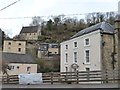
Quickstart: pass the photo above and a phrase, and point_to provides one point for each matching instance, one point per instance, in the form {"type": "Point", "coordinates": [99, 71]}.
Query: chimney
{"type": "Point", "coordinates": [117, 35]}
{"type": "Point", "coordinates": [119, 7]}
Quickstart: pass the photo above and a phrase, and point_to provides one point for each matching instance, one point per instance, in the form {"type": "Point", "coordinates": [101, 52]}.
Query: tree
{"type": "Point", "coordinates": [49, 25]}
{"type": "Point", "coordinates": [36, 21]}
{"type": "Point", "coordinates": [4, 67]}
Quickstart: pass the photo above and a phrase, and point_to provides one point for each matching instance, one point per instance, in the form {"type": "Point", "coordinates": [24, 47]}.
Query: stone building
{"type": "Point", "coordinates": [14, 46]}
{"type": "Point", "coordinates": [30, 33]}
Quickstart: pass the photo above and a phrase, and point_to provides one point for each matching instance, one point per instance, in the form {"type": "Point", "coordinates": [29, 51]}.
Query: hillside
{"type": "Point", "coordinates": [60, 28]}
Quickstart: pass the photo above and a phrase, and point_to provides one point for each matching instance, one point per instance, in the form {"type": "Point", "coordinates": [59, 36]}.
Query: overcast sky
{"type": "Point", "coordinates": [30, 8]}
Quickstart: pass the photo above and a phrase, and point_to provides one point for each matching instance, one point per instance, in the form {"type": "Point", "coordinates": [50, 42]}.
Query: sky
{"type": "Point", "coordinates": [31, 8]}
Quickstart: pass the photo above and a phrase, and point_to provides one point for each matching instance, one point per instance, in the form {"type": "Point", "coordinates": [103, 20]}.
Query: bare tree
{"type": "Point", "coordinates": [36, 21]}
{"type": "Point", "coordinates": [4, 67]}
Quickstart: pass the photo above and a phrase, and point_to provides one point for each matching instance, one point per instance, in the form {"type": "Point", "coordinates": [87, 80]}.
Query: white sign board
{"type": "Point", "coordinates": [33, 78]}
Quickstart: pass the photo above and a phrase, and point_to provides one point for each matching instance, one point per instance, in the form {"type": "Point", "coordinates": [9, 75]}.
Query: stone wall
{"type": "Point", "coordinates": [109, 60]}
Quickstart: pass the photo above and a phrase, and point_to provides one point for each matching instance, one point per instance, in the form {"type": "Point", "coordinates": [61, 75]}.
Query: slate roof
{"type": "Point", "coordinates": [17, 58]}
{"type": "Point", "coordinates": [29, 29]}
{"type": "Point", "coordinates": [104, 27]}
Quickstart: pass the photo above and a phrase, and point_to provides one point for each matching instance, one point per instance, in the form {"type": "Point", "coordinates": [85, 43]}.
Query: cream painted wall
{"type": "Point", "coordinates": [22, 68]}
{"type": "Point", "coordinates": [13, 48]}
{"type": "Point", "coordinates": [53, 50]}
{"type": "Point", "coordinates": [95, 52]}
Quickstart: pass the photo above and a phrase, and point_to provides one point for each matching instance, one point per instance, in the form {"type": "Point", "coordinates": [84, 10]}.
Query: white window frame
{"type": "Point", "coordinates": [86, 42]}
{"type": "Point", "coordinates": [12, 67]}
{"type": "Point", "coordinates": [85, 57]}
{"type": "Point", "coordinates": [75, 45]}
{"type": "Point", "coordinates": [75, 56]}
{"type": "Point", "coordinates": [66, 46]}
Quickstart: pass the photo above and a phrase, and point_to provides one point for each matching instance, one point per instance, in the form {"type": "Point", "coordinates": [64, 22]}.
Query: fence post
{"type": "Point", "coordinates": [66, 78]}
{"type": "Point", "coordinates": [77, 81]}
{"type": "Point", "coordinates": [51, 77]}
{"type": "Point", "coordinates": [8, 79]}
{"type": "Point", "coordinates": [106, 77]}
{"type": "Point", "coordinates": [3, 79]}
{"type": "Point", "coordinates": [88, 73]}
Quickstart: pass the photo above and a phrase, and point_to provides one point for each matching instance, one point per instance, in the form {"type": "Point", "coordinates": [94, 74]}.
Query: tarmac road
{"type": "Point", "coordinates": [62, 86]}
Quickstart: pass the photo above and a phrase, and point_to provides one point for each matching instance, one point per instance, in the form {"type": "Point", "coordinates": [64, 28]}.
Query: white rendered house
{"type": "Point", "coordinates": [86, 49]}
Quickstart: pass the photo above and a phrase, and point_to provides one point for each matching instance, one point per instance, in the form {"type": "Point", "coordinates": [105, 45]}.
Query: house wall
{"type": "Point", "coordinates": [22, 68]}
{"type": "Point", "coordinates": [95, 52]}
{"type": "Point", "coordinates": [53, 50]}
{"type": "Point", "coordinates": [117, 42]}
{"type": "Point", "coordinates": [29, 36]}
{"type": "Point", "coordinates": [107, 51]}
{"type": "Point", "coordinates": [14, 46]}
{"type": "Point", "coordinates": [109, 59]}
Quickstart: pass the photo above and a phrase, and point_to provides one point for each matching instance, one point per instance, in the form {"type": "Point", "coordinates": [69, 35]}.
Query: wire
{"type": "Point", "coordinates": [9, 5]}
{"type": "Point", "coordinates": [58, 15]}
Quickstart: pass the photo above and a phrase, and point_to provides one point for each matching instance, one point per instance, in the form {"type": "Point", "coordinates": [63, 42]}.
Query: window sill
{"type": "Point", "coordinates": [66, 63]}
{"type": "Point", "coordinates": [86, 63]}
{"type": "Point", "coordinates": [87, 46]}
{"type": "Point", "coordinates": [75, 48]}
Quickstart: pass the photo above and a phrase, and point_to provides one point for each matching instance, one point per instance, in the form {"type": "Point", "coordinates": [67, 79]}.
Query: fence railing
{"type": "Point", "coordinates": [71, 77]}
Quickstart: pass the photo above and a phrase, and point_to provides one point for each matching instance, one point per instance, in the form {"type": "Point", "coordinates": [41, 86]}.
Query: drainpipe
{"type": "Point", "coordinates": [114, 52]}
{"type": "Point", "coordinates": [103, 69]}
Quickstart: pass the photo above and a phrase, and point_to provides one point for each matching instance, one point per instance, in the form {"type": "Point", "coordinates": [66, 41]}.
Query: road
{"type": "Point", "coordinates": [62, 86]}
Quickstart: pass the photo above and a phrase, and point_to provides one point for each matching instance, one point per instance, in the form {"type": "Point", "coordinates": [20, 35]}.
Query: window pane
{"type": "Point", "coordinates": [75, 56]}
{"type": "Point", "coordinates": [66, 57]}
{"type": "Point", "coordinates": [19, 44]}
{"type": "Point", "coordinates": [75, 44]}
{"type": "Point", "coordinates": [87, 56]}
{"type": "Point", "coordinates": [66, 46]}
{"type": "Point", "coordinates": [28, 68]}
{"type": "Point", "coordinates": [66, 69]}
{"type": "Point", "coordinates": [19, 49]}
{"type": "Point", "coordinates": [87, 41]}
{"type": "Point", "coordinates": [9, 43]}
{"type": "Point", "coordinates": [87, 69]}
